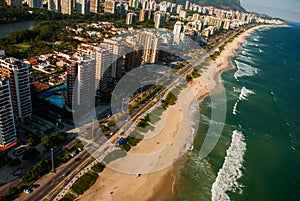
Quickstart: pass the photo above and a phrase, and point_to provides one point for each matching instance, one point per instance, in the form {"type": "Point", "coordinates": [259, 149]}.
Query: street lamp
{"type": "Point", "coordinates": [52, 160]}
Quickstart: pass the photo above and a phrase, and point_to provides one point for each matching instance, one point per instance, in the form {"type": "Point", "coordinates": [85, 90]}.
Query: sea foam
{"type": "Point", "coordinates": [243, 96]}
{"type": "Point", "coordinates": [244, 70]}
{"type": "Point", "coordinates": [231, 170]}
{"type": "Point", "coordinates": [193, 123]}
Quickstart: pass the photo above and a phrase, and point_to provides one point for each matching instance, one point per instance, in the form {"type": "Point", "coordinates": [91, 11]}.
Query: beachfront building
{"type": "Point", "coordinates": [133, 56]}
{"type": "Point", "coordinates": [7, 123]}
{"type": "Point", "coordinates": [17, 73]}
{"type": "Point", "coordinates": [80, 81]}
{"type": "Point", "coordinates": [117, 50]}
{"type": "Point", "coordinates": [150, 45]}
{"type": "Point", "coordinates": [103, 60]}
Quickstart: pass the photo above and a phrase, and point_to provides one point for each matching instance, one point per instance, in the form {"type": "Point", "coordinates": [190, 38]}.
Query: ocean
{"type": "Point", "coordinates": [258, 155]}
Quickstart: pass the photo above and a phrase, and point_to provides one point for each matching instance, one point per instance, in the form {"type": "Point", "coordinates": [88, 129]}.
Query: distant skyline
{"type": "Point", "coordinates": [288, 9]}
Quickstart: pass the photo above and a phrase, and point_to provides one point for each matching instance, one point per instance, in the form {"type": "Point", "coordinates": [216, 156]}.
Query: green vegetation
{"type": "Point", "coordinates": [79, 144]}
{"type": "Point", "coordinates": [111, 123]}
{"type": "Point", "coordinates": [30, 153]}
{"type": "Point", "coordinates": [67, 152]}
{"type": "Point", "coordinates": [126, 147]}
{"type": "Point", "coordinates": [170, 100]}
{"type": "Point", "coordinates": [84, 182]}
{"type": "Point", "coordinates": [34, 140]}
{"type": "Point", "coordinates": [104, 128]}
{"type": "Point", "coordinates": [132, 140]}
{"type": "Point", "coordinates": [114, 156]}
{"type": "Point", "coordinates": [145, 97]}
{"type": "Point", "coordinates": [54, 139]}
{"type": "Point", "coordinates": [195, 74]}
{"type": "Point", "coordinates": [26, 43]}
{"type": "Point", "coordinates": [99, 167]}
{"type": "Point", "coordinates": [36, 172]}
{"type": "Point", "coordinates": [68, 197]}
{"type": "Point", "coordinates": [143, 123]}
{"type": "Point", "coordinates": [144, 126]}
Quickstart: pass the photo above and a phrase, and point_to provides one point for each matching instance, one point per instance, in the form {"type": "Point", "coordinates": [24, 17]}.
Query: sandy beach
{"type": "Point", "coordinates": [115, 185]}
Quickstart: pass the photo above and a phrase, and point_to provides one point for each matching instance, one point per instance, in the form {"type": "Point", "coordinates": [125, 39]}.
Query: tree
{"type": "Point", "coordinates": [53, 139]}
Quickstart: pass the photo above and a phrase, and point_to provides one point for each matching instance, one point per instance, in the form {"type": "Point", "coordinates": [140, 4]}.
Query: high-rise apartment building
{"type": "Point", "coordinates": [133, 56]}
{"type": "Point", "coordinates": [82, 7]}
{"type": "Point", "coordinates": [178, 29]}
{"type": "Point", "coordinates": [110, 7]}
{"type": "Point", "coordinates": [187, 5]}
{"type": "Point", "coordinates": [144, 15]}
{"type": "Point", "coordinates": [80, 82]}
{"type": "Point", "coordinates": [54, 5]}
{"type": "Point", "coordinates": [150, 43]}
{"type": "Point", "coordinates": [94, 6]}
{"type": "Point", "coordinates": [117, 51]}
{"type": "Point", "coordinates": [7, 123]}
{"type": "Point", "coordinates": [159, 19]}
{"type": "Point", "coordinates": [67, 6]}
{"type": "Point", "coordinates": [131, 18]}
{"type": "Point", "coordinates": [17, 73]}
{"type": "Point", "coordinates": [103, 63]}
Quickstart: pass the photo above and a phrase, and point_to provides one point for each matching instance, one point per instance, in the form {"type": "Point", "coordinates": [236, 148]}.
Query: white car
{"type": "Point", "coordinates": [28, 190]}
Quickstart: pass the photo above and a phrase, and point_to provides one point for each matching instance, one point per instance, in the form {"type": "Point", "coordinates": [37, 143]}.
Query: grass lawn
{"type": "Point", "coordinates": [84, 182]}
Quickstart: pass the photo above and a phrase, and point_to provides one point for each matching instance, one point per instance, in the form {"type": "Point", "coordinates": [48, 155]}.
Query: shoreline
{"type": "Point", "coordinates": [113, 185]}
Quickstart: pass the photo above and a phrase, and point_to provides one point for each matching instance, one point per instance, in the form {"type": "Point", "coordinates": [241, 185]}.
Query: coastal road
{"type": "Point", "coordinates": [56, 178]}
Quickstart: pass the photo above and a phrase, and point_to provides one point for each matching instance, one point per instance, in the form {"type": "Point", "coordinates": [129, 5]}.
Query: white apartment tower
{"type": "Point", "coordinates": [159, 19]}
{"type": "Point", "coordinates": [17, 73]}
{"type": "Point", "coordinates": [187, 5]}
{"type": "Point", "coordinates": [178, 29]}
{"type": "Point", "coordinates": [103, 60]}
{"type": "Point", "coordinates": [117, 51]}
{"type": "Point", "coordinates": [131, 18]}
{"type": "Point", "coordinates": [150, 43]}
{"type": "Point", "coordinates": [84, 90]}
{"type": "Point", "coordinates": [7, 122]}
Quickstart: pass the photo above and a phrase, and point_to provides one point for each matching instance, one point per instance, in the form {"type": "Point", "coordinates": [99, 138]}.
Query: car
{"type": "Point", "coordinates": [28, 190]}
{"type": "Point", "coordinates": [66, 173]}
{"type": "Point", "coordinates": [77, 159]}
